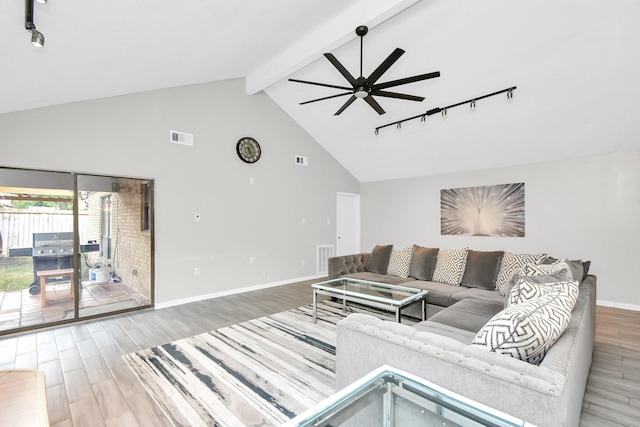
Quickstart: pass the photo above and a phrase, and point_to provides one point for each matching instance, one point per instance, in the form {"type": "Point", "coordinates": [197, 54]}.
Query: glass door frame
{"type": "Point", "coordinates": [76, 282]}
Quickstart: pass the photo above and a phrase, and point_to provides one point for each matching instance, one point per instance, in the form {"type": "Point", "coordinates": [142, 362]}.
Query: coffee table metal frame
{"type": "Point", "coordinates": [339, 288]}
{"type": "Point", "coordinates": [391, 388]}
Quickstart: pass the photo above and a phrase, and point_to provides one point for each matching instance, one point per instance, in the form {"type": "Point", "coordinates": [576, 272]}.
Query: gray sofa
{"type": "Point", "coordinates": [440, 350]}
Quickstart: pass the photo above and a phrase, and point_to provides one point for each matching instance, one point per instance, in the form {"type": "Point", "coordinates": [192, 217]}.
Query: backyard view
{"type": "Point", "coordinates": [40, 251]}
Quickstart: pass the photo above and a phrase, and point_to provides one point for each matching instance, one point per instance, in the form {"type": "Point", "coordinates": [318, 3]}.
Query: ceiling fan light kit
{"type": "Point", "coordinates": [368, 87]}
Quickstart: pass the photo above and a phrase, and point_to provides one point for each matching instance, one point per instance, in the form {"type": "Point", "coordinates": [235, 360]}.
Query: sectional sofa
{"type": "Point", "coordinates": [472, 343]}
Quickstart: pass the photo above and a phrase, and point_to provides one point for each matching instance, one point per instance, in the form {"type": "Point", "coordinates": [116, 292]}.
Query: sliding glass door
{"type": "Point", "coordinates": [72, 246]}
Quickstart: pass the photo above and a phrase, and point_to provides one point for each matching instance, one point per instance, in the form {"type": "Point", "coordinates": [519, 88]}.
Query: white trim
{"type": "Point", "coordinates": [621, 305]}
{"type": "Point", "coordinates": [228, 292]}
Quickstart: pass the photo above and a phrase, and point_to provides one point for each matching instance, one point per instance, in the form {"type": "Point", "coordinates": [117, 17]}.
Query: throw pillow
{"type": "Point", "coordinates": [531, 269]}
{"type": "Point", "coordinates": [400, 261]}
{"type": "Point", "coordinates": [510, 265]}
{"type": "Point", "coordinates": [481, 269]}
{"type": "Point", "coordinates": [450, 266]}
{"type": "Point", "coordinates": [560, 276]}
{"type": "Point", "coordinates": [423, 263]}
{"type": "Point", "coordinates": [526, 331]}
{"type": "Point", "coordinates": [577, 266]}
{"type": "Point", "coordinates": [527, 289]}
{"type": "Point", "coordinates": [378, 261]}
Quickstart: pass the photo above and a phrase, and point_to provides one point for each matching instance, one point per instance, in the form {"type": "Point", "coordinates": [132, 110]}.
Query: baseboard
{"type": "Point", "coordinates": [621, 305]}
{"type": "Point", "coordinates": [197, 298]}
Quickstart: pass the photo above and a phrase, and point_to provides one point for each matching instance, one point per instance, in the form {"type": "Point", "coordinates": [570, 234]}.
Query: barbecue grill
{"type": "Point", "coordinates": [50, 251]}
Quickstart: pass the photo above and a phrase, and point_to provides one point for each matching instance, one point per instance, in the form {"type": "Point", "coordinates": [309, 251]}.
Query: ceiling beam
{"type": "Point", "coordinates": [335, 33]}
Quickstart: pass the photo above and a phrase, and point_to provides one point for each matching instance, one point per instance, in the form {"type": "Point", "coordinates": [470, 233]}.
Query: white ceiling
{"type": "Point", "coordinates": [576, 65]}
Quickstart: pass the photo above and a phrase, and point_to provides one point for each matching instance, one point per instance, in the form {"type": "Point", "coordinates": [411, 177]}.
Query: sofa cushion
{"type": "Point", "coordinates": [511, 264]}
{"type": "Point", "coordinates": [439, 293]}
{"type": "Point", "coordinates": [378, 261]}
{"type": "Point", "coordinates": [400, 261]}
{"type": "Point", "coordinates": [482, 269]}
{"type": "Point", "coordinates": [381, 278]}
{"type": "Point", "coordinates": [526, 331]}
{"type": "Point", "coordinates": [423, 263]}
{"type": "Point", "coordinates": [450, 266]}
{"type": "Point", "coordinates": [477, 293]}
{"type": "Point", "coordinates": [469, 314]}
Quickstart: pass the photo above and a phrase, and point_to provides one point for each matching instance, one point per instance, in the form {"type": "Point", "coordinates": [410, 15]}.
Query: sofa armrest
{"type": "Point", "coordinates": [347, 264]}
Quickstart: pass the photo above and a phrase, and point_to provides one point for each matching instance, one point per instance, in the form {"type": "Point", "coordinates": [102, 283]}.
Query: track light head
{"type": "Point", "coordinates": [423, 118]}
{"type": "Point", "coordinates": [37, 39]}
{"type": "Point", "coordinates": [42, 1]}
{"type": "Point", "coordinates": [444, 111]}
{"type": "Point", "coordinates": [472, 104]}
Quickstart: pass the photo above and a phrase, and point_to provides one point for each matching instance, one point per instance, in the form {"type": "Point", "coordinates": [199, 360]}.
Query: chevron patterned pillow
{"type": "Point", "coordinates": [512, 264]}
{"type": "Point", "coordinates": [527, 331]}
{"type": "Point", "coordinates": [450, 266]}
{"type": "Point", "coordinates": [400, 261]}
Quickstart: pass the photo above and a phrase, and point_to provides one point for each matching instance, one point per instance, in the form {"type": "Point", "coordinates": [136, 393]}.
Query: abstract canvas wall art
{"type": "Point", "coordinates": [491, 210]}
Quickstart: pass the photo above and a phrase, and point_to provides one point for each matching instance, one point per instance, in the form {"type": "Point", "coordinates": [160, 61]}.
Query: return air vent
{"type": "Point", "coordinates": [181, 138]}
{"type": "Point", "coordinates": [324, 253]}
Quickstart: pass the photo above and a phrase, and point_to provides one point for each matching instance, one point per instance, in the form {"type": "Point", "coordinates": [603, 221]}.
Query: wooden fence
{"type": "Point", "coordinates": [17, 228]}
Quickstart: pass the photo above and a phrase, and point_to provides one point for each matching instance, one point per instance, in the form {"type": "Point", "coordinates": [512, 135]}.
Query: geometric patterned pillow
{"type": "Point", "coordinates": [450, 266]}
{"type": "Point", "coordinates": [526, 290]}
{"type": "Point", "coordinates": [512, 264]}
{"type": "Point", "coordinates": [400, 261]}
{"type": "Point", "coordinates": [527, 331]}
{"type": "Point", "coordinates": [546, 269]}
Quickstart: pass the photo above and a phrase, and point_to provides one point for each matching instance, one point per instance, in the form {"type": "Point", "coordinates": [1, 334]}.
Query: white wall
{"type": "Point", "coordinates": [586, 209]}
{"type": "Point", "coordinates": [129, 136]}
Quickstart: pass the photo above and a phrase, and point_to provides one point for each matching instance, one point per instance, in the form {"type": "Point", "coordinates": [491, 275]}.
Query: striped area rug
{"type": "Point", "coordinates": [257, 373]}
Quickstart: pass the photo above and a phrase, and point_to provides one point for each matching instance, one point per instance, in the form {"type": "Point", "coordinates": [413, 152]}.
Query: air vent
{"type": "Point", "coordinates": [181, 138]}
{"type": "Point", "coordinates": [324, 253]}
{"type": "Point", "coordinates": [302, 160]}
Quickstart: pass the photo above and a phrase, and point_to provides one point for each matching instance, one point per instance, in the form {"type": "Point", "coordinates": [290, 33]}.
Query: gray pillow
{"type": "Point", "coordinates": [579, 268]}
{"type": "Point", "coordinates": [423, 263]}
{"type": "Point", "coordinates": [378, 261]}
{"type": "Point", "coordinates": [482, 269]}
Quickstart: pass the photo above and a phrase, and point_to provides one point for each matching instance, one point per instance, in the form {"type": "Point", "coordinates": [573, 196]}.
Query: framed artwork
{"type": "Point", "coordinates": [491, 210]}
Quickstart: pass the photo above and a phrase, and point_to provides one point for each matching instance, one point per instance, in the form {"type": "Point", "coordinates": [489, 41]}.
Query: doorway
{"type": "Point", "coordinates": [348, 224]}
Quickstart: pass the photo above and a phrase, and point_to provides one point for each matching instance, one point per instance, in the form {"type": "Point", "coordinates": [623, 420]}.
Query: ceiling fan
{"type": "Point", "coordinates": [367, 87]}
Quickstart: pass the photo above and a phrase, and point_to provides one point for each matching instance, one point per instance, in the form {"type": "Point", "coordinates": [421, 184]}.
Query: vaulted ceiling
{"type": "Point", "coordinates": [575, 64]}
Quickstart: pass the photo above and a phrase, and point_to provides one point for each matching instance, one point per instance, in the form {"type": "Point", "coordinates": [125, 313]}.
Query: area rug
{"type": "Point", "coordinates": [257, 373]}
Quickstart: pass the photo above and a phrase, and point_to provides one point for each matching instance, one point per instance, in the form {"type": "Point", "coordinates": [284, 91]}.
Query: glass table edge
{"type": "Point", "coordinates": [417, 293]}
{"type": "Point", "coordinates": [333, 402]}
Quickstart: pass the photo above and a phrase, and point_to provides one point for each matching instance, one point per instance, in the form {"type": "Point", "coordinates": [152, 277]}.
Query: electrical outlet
{"type": "Point", "coordinates": [196, 271]}
{"type": "Point", "coordinates": [303, 263]}
{"type": "Point", "coordinates": [304, 221]}
{"type": "Point", "coordinates": [252, 260]}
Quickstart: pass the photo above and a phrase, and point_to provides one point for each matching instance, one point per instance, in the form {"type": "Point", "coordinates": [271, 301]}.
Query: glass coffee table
{"type": "Point", "coordinates": [374, 294]}
{"type": "Point", "coordinates": [388, 397]}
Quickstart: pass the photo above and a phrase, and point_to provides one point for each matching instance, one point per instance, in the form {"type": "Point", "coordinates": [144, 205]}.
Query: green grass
{"type": "Point", "coordinates": [16, 278]}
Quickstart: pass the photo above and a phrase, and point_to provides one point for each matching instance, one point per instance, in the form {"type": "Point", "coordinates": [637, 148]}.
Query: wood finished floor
{"type": "Point", "coordinates": [89, 385]}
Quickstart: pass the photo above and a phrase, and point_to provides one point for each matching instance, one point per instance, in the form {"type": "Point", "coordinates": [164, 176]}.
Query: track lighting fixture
{"type": "Point", "coordinates": [37, 39]}
{"type": "Point", "coordinates": [443, 110]}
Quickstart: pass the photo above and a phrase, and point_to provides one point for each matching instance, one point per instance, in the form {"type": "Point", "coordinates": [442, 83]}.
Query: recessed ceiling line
{"type": "Point", "coordinates": [443, 110]}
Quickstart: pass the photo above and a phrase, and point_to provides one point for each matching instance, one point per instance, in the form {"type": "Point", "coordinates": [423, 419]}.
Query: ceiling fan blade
{"type": "Point", "coordinates": [397, 95]}
{"type": "Point", "coordinates": [386, 64]}
{"type": "Point", "coordinates": [406, 80]}
{"type": "Point", "coordinates": [326, 97]}
{"type": "Point", "coordinates": [346, 74]}
{"type": "Point", "coordinates": [374, 104]}
{"type": "Point", "coordinates": [346, 104]}
{"type": "Point", "coordinates": [320, 84]}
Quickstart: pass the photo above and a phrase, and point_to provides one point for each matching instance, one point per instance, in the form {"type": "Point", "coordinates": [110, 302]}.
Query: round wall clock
{"type": "Point", "coordinates": [248, 150]}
